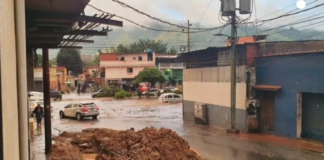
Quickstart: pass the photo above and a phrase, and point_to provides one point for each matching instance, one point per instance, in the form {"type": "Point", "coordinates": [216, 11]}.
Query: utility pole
{"type": "Point", "coordinates": [188, 45]}
{"type": "Point", "coordinates": [233, 71]}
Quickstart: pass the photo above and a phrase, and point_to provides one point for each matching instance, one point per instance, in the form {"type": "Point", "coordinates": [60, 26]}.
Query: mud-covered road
{"type": "Point", "coordinates": [212, 144]}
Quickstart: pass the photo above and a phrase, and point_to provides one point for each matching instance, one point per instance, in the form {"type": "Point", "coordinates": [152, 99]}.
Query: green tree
{"type": "Point", "coordinates": [71, 59]}
{"type": "Point", "coordinates": [150, 76]}
{"type": "Point", "coordinates": [52, 61]}
{"type": "Point", "coordinates": [172, 51]}
{"type": "Point", "coordinates": [39, 60]}
{"type": "Point", "coordinates": [141, 45]}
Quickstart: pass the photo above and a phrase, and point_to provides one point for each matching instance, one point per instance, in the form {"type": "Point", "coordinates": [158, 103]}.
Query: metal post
{"type": "Point", "coordinates": [47, 102]}
{"type": "Point", "coordinates": [188, 45]}
{"type": "Point", "coordinates": [233, 72]}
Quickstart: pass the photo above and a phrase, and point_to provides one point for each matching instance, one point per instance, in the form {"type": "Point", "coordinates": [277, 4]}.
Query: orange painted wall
{"type": "Point", "coordinates": [108, 57]}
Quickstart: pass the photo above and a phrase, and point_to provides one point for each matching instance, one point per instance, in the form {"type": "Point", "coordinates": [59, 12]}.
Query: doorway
{"type": "Point", "coordinates": [267, 112]}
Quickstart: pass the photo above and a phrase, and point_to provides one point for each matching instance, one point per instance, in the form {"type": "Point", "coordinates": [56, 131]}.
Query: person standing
{"type": "Point", "coordinates": [38, 112]}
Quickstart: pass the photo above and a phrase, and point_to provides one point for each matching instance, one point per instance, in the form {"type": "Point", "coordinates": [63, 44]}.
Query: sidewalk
{"type": "Point", "coordinates": [296, 143]}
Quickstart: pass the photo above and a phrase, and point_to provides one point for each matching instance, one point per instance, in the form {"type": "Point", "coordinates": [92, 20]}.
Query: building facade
{"type": "Point", "coordinates": [206, 81]}
{"type": "Point", "coordinates": [121, 68]}
{"type": "Point", "coordinates": [172, 70]}
{"type": "Point", "coordinates": [57, 78]}
{"type": "Point", "coordinates": [289, 85]}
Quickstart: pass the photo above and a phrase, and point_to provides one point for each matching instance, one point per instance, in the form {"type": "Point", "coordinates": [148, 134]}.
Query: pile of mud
{"type": "Point", "coordinates": [145, 144]}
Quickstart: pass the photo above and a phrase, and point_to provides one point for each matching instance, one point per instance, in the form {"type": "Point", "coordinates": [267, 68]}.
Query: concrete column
{"type": "Point", "coordinates": [9, 116]}
{"type": "Point", "coordinates": [30, 70]}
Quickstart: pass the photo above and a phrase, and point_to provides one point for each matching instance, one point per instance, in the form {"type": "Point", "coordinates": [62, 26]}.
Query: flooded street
{"type": "Point", "coordinates": [212, 144]}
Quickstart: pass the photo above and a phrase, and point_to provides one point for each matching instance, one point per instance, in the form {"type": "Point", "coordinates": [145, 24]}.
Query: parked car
{"type": "Point", "coordinates": [80, 110]}
{"type": "Point", "coordinates": [56, 95]}
{"type": "Point", "coordinates": [95, 94]}
{"type": "Point", "coordinates": [33, 104]}
{"type": "Point", "coordinates": [170, 97]}
{"type": "Point", "coordinates": [171, 88]}
{"type": "Point", "coordinates": [155, 91]}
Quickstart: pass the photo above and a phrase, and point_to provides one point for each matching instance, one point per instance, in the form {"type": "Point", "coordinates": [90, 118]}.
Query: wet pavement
{"type": "Point", "coordinates": [212, 144]}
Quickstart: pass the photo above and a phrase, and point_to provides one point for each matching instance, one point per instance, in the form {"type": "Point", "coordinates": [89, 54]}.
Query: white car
{"type": "Point", "coordinates": [154, 91]}
{"type": "Point", "coordinates": [171, 88]}
{"type": "Point", "coordinates": [170, 98]}
{"type": "Point", "coordinates": [80, 110]}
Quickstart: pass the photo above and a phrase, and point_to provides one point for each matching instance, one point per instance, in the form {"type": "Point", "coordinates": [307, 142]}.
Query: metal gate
{"type": "Point", "coordinates": [38, 86]}
{"type": "Point", "coordinates": [313, 116]}
{"type": "Point", "coordinates": [267, 111]}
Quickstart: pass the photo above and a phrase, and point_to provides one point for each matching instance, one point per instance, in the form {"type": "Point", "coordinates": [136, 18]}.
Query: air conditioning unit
{"type": "Point", "coordinates": [201, 116]}
{"type": "Point", "coordinates": [245, 6]}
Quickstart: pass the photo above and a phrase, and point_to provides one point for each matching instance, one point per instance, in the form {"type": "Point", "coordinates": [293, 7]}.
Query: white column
{"type": "Point", "coordinates": [22, 78]}
{"type": "Point", "coordinates": [9, 81]}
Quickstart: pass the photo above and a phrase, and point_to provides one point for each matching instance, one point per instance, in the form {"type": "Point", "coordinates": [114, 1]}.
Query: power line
{"type": "Point", "coordinates": [205, 11]}
{"type": "Point", "coordinates": [160, 20]}
{"type": "Point", "coordinates": [153, 29]}
{"type": "Point", "coordinates": [287, 15]}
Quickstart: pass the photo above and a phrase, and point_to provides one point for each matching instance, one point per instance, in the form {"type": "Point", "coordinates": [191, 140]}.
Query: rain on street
{"type": "Point", "coordinates": [211, 143]}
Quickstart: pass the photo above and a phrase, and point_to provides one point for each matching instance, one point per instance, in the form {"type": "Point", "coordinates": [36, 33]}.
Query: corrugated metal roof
{"type": "Point", "coordinates": [267, 87]}
{"type": "Point", "coordinates": [291, 53]}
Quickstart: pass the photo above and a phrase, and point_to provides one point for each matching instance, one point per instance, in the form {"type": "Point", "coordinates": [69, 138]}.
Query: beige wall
{"type": "Point", "coordinates": [119, 73]}
{"type": "Point", "coordinates": [212, 86]}
{"type": "Point", "coordinates": [214, 93]}
{"type": "Point", "coordinates": [129, 61]}
{"type": "Point", "coordinates": [9, 81]}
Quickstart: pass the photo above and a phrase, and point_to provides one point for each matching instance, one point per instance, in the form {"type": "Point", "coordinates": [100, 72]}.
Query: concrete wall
{"type": "Point", "coordinates": [295, 73]}
{"type": "Point", "coordinates": [9, 119]}
{"type": "Point", "coordinates": [211, 86]}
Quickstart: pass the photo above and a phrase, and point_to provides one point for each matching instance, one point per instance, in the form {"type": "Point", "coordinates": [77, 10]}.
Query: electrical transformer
{"type": "Point", "coordinates": [227, 6]}
{"type": "Point", "coordinates": [245, 6]}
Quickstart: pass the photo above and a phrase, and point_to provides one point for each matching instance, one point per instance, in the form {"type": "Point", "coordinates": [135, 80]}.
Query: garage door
{"type": "Point", "coordinates": [39, 86]}
{"type": "Point", "coordinates": [313, 116]}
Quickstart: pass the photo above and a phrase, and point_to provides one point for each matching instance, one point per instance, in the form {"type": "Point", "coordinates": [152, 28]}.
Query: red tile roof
{"type": "Point", "coordinates": [271, 87]}
{"type": "Point", "coordinates": [291, 53]}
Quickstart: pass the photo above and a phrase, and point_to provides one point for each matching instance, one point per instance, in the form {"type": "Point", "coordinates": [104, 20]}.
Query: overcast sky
{"type": "Point", "coordinates": [183, 10]}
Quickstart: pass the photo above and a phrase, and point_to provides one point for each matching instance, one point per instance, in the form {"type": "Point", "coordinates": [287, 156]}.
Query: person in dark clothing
{"type": "Point", "coordinates": [38, 111]}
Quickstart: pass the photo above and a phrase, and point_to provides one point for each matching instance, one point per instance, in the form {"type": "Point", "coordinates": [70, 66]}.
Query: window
{"type": "Point", "coordinates": [176, 96]}
{"type": "Point", "coordinates": [180, 82]}
{"type": "Point", "coordinates": [129, 70]}
{"type": "Point", "coordinates": [139, 58]}
{"type": "Point", "coordinates": [68, 106]}
{"type": "Point", "coordinates": [122, 59]}
{"type": "Point", "coordinates": [167, 73]}
{"type": "Point", "coordinates": [170, 96]}
{"type": "Point", "coordinates": [134, 58]}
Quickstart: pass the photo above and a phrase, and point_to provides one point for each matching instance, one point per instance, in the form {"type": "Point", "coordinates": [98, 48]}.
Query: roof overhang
{"type": "Point", "coordinates": [62, 23]}
{"type": "Point", "coordinates": [267, 87]}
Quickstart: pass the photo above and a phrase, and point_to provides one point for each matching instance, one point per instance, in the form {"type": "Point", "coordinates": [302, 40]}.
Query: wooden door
{"type": "Point", "coordinates": [267, 110]}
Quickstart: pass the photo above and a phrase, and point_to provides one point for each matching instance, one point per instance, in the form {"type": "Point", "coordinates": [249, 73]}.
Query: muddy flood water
{"type": "Point", "coordinates": [212, 144]}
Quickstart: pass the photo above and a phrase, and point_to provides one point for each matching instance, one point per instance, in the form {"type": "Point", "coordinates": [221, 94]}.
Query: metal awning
{"type": "Point", "coordinates": [63, 24]}
{"type": "Point", "coordinates": [267, 87]}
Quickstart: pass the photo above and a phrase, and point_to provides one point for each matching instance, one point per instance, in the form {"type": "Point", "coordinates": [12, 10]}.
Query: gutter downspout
{"type": "Point", "coordinates": [22, 78]}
